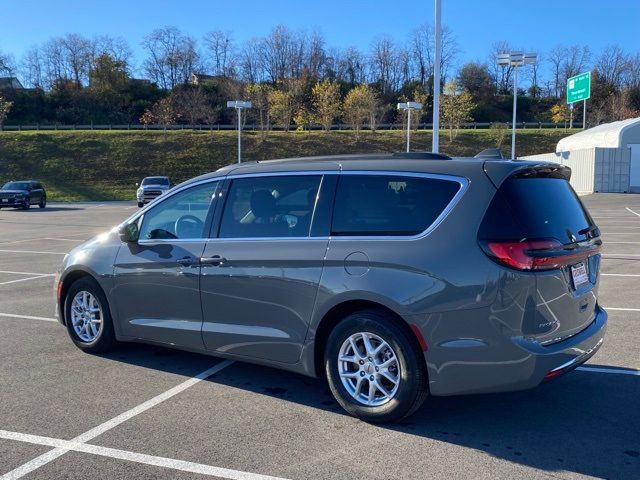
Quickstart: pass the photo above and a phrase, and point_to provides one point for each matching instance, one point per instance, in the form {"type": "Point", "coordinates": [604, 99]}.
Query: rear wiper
{"type": "Point", "coordinates": [592, 229]}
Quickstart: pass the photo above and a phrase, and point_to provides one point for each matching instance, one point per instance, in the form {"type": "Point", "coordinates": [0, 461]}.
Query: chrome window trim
{"type": "Point", "coordinates": [462, 181]}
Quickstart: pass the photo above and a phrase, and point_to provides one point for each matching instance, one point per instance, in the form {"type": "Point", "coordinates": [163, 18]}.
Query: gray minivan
{"type": "Point", "coordinates": [393, 276]}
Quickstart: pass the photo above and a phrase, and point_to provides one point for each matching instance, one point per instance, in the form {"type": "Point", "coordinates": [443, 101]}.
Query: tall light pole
{"type": "Point", "coordinates": [515, 60]}
{"type": "Point", "coordinates": [408, 106]}
{"type": "Point", "coordinates": [239, 105]}
{"type": "Point", "coordinates": [436, 78]}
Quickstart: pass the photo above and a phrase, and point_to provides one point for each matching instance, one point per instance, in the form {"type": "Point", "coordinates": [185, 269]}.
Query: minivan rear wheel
{"type": "Point", "coordinates": [374, 369]}
{"type": "Point", "coordinates": [87, 317]}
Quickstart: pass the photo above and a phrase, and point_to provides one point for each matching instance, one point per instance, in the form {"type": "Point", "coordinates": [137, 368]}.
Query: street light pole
{"type": "Point", "coordinates": [515, 60]}
{"type": "Point", "coordinates": [408, 106]}
{"type": "Point", "coordinates": [435, 145]}
{"type": "Point", "coordinates": [515, 103]}
{"type": "Point", "coordinates": [239, 105]}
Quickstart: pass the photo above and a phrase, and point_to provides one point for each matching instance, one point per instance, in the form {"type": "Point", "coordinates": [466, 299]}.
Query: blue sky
{"type": "Point", "coordinates": [477, 24]}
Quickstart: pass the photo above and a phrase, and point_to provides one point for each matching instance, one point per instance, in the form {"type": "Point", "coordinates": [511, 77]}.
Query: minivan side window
{"type": "Point", "coordinates": [270, 206]}
{"type": "Point", "coordinates": [181, 216]}
{"type": "Point", "coordinates": [368, 205]}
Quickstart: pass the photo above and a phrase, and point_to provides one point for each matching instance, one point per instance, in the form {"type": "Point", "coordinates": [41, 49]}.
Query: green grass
{"type": "Point", "coordinates": [104, 165]}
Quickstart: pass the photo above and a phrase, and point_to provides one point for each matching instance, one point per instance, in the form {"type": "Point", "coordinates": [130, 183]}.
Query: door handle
{"type": "Point", "coordinates": [187, 262]}
{"type": "Point", "coordinates": [214, 261]}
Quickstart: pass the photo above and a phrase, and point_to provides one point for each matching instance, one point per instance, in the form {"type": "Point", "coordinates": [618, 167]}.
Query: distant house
{"type": "Point", "coordinates": [201, 79]}
{"type": "Point", "coordinates": [140, 81]}
{"type": "Point", "coordinates": [8, 83]}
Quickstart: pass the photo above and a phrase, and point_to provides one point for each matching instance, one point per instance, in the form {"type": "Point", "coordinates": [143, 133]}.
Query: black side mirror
{"type": "Point", "coordinates": [129, 232]}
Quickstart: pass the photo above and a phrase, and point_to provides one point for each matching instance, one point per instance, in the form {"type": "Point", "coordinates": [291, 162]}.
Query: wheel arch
{"type": "Point", "coordinates": [69, 279]}
{"type": "Point", "coordinates": [343, 309]}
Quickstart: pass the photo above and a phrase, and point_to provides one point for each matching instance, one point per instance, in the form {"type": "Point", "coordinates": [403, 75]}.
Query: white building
{"type": "Point", "coordinates": [605, 158]}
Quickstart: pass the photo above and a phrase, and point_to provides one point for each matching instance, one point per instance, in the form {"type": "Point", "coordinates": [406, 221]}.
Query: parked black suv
{"type": "Point", "coordinates": [23, 194]}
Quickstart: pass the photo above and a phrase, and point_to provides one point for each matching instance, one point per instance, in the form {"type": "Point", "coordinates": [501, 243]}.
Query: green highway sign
{"type": "Point", "coordinates": [579, 88]}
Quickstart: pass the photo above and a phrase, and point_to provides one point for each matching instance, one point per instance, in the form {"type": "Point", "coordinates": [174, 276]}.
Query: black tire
{"type": "Point", "coordinates": [140, 204]}
{"type": "Point", "coordinates": [106, 338]}
{"type": "Point", "coordinates": [27, 204]}
{"type": "Point", "coordinates": [43, 202]}
{"type": "Point", "coordinates": [413, 386]}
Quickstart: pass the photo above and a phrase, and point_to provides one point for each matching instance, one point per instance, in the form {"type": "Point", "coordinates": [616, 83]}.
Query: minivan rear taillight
{"type": "Point", "coordinates": [538, 254]}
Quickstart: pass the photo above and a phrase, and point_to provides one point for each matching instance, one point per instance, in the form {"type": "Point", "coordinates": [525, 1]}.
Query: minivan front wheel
{"type": "Point", "coordinates": [87, 317]}
{"type": "Point", "coordinates": [374, 369]}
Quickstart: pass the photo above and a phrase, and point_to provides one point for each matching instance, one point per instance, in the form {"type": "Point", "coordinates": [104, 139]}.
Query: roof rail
{"type": "Point", "coordinates": [422, 155]}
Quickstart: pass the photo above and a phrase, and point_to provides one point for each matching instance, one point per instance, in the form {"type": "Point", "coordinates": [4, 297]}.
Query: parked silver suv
{"type": "Point", "coordinates": [394, 276]}
{"type": "Point", "coordinates": [151, 188]}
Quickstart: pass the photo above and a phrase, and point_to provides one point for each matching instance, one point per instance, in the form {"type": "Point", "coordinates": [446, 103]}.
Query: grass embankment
{"type": "Point", "coordinates": [104, 165]}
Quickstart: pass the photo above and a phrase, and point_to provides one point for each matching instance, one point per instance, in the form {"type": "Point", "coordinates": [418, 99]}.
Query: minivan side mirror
{"type": "Point", "coordinates": [129, 232]}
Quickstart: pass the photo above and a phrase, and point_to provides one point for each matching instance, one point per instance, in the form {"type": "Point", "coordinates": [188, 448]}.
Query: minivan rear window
{"type": "Point", "coordinates": [389, 204]}
{"type": "Point", "coordinates": [537, 208]}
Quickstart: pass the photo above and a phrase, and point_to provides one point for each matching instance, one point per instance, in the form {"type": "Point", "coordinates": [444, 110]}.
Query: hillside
{"type": "Point", "coordinates": [104, 165]}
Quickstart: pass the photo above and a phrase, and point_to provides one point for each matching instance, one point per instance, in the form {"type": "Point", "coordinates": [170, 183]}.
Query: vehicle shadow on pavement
{"type": "Point", "coordinates": [583, 422]}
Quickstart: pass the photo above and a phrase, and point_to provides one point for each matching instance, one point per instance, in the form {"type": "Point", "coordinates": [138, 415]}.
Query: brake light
{"type": "Point", "coordinates": [537, 254]}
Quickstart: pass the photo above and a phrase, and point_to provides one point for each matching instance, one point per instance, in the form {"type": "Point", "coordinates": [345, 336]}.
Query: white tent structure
{"type": "Point", "coordinates": [605, 158]}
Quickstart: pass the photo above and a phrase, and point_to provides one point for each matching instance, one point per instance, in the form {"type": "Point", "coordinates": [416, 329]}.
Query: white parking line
{"type": "Point", "coordinates": [28, 317]}
{"type": "Point", "coordinates": [614, 309]}
{"type": "Point", "coordinates": [617, 371]}
{"type": "Point", "coordinates": [145, 459]}
{"type": "Point", "coordinates": [33, 251]}
{"type": "Point", "coordinates": [46, 275]}
{"type": "Point", "coordinates": [620, 275]}
{"type": "Point", "coordinates": [64, 239]}
{"type": "Point", "coordinates": [621, 243]}
{"type": "Point", "coordinates": [608, 255]}
{"type": "Point", "coordinates": [24, 273]}
{"type": "Point", "coordinates": [114, 422]}
{"type": "Point", "coordinates": [635, 213]}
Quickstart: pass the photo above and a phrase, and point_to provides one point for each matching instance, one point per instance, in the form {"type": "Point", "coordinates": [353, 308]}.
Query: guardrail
{"type": "Point", "coordinates": [254, 127]}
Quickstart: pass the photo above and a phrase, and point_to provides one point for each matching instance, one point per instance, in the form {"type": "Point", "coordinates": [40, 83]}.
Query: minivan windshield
{"type": "Point", "coordinates": [155, 181]}
{"type": "Point", "coordinates": [16, 186]}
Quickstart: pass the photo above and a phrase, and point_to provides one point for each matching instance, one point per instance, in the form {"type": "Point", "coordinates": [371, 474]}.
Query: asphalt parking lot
{"type": "Point", "coordinates": [149, 412]}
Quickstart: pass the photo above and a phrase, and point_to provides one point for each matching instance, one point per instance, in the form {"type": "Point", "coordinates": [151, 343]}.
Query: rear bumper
{"type": "Point", "coordinates": [521, 365]}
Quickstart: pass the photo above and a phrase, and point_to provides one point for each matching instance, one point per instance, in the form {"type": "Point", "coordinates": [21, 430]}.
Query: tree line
{"type": "Point", "coordinates": [294, 80]}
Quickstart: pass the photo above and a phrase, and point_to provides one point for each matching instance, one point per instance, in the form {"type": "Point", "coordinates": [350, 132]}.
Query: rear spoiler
{"type": "Point", "coordinates": [499, 171]}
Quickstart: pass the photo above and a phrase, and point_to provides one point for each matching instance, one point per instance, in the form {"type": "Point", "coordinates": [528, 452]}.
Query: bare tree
{"type": "Point", "coordinates": [32, 69]}
{"type": "Point", "coordinates": [422, 49]}
{"type": "Point", "coordinates": [555, 58]}
{"type": "Point", "coordinates": [612, 65]}
{"type": "Point", "coordinates": [576, 60]}
{"type": "Point", "coordinates": [191, 103]}
{"type": "Point", "coordinates": [220, 52]}
{"type": "Point", "coordinates": [249, 61]}
{"type": "Point", "coordinates": [315, 57]}
{"type": "Point", "coordinates": [277, 53]}
{"type": "Point", "coordinates": [7, 66]}
{"type": "Point", "coordinates": [351, 66]}
{"type": "Point", "coordinates": [172, 57]}
{"type": "Point", "coordinates": [78, 56]}
{"type": "Point", "coordinates": [383, 64]}
{"type": "Point", "coordinates": [116, 47]}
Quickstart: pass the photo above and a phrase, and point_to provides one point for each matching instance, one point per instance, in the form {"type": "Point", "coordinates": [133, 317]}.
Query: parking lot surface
{"type": "Point", "coordinates": [150, 412]}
